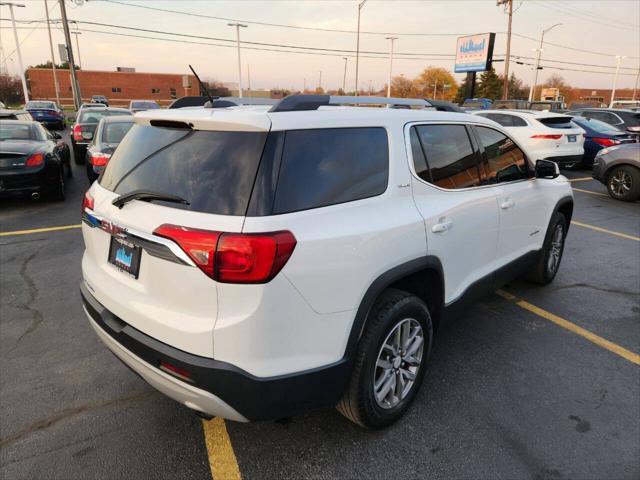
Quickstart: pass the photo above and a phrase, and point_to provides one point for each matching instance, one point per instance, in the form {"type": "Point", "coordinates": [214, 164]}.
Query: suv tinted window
{"type": "Point", "coordinates": [214, 171]}
{"type": "Point", "coordinates": [503, 161]}
{"type": "Point", "coordinates": [323, 167]}
{"type": "Point", "coordinates": [94, 116]}
{"type": "Point", "coordinates": [606, 117]}
{"type": "Point", "coordinates": [450, 157]}
{"type": "Point", "coordinates": [506, 120]}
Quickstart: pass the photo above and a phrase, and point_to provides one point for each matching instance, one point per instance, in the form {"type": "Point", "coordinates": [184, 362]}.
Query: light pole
{"type": "Point", "coordinates": [15, 36]}
{"type": "Point", "coordinates": [435, 89]}
{"type": "Point", "coordinates": [53, 58]}
{"type": "Point", "coordinates": [635, 87]}
{"type": "Point", "coordinates": [78, 47]}
{"type": "Point", "coordinates": [344, 76]}
{"type": "Point", "coordinates": [238, 25]}
{"type": "Point", "coordinates": [505, 85]}
{"type": "Point", "coordinates": [615, 78]}
{"type": "Point", "coordinates": [75, 85]}
{"type": "Point", "coordinates": [320, 81]}
{"type": "Point", "coordinates": [532, 90]}
{"type": "Point", "coordinates": [360, 5]}
{"type": "Point", "coordinates": [393, 39]}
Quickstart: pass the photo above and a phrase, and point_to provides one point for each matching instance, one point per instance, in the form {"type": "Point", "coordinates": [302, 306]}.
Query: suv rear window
{"type": "Point", "coordinates": [556, 122]}
{"type": "Point", "coordinates": [213, 170]}
{"type": "Point", "coordinates": [328, 166]}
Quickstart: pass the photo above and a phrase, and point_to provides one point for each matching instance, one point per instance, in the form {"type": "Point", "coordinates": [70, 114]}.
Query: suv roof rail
{"type": "Point", "coordinates": [297, 103]}
{"type": "Point", "coordinates": [222, 102]}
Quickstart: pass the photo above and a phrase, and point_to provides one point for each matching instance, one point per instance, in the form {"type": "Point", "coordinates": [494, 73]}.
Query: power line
{"type": "Point", "coordinates": [336, 30]}
{"type": "Point", "coordinates": [590, 16]}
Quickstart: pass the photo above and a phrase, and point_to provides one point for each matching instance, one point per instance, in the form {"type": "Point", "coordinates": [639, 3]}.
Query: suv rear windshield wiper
{"type": "Point", "coordinates": [147, 195]}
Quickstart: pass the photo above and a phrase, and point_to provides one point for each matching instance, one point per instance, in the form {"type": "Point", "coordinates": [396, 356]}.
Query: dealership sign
{"type": "Point", "coordinates": [474, 53]}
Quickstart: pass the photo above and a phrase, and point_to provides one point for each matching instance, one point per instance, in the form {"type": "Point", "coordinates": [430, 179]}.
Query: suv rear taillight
{"type": "Point", "coordinates": [233, 257]}
{"type": "Point", "coordinates": [87, 202]}
{"type": "Point", "coordinates": [547, 136]}
{"type": "Point", "coordinates": [77, 133]}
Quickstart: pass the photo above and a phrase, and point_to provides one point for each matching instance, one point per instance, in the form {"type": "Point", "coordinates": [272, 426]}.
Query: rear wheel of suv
{"type": "Point", "coordinates": [548, 262]}
{"type": "Point", "coordinates": [390, 362]}
{"type": "Point", "coordinates": [623, 183]}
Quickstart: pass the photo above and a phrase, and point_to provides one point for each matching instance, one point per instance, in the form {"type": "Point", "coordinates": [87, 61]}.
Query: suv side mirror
{"type": "Point", "coordinates": [547, 169]}
{"type": "Point", "coordinates": [56, 135]}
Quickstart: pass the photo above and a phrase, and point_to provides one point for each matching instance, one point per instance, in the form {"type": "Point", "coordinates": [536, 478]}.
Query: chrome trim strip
{"type": "Point", "coordinates": [94, 220]}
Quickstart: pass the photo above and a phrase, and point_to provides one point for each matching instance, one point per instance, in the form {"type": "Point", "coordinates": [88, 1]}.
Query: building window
{"type": "Point", "coordinates": [155, 90]}
{"type": "Point", "coordinates": [172, 92]}
{"type": "Point", "coordinates": [116, 90]}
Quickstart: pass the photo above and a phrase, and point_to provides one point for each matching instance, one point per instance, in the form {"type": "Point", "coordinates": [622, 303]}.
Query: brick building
{"type": "Point", "coordinates": [118, 87]}
{"type": "Point", "coordinates": [598, 95]}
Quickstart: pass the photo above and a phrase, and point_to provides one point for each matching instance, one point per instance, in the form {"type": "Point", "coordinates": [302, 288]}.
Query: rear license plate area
{"type": "Point", "coordinates": [125, 256]}
{"type": "Point", "coordinates": [571, 138]}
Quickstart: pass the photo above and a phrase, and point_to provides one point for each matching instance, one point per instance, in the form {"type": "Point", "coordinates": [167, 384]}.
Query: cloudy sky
{"type": "Point", "coordinates": [591, 34]}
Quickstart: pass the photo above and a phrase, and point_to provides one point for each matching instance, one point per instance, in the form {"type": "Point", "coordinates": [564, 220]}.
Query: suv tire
{"type": "Point", "coordinates": [546, 266]}
{"type": "Point", "coordinates": [384, 356]}
{"type": "Point", "coordinates": [623, 183]}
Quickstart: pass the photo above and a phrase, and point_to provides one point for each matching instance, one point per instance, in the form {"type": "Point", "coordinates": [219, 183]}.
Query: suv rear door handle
{"type": "Point", "coordinates": [441, 227]}
{"type": "Point", "coordinates": [507, 204]}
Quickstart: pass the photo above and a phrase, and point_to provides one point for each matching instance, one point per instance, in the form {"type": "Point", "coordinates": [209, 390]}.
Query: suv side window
{"type": "Point", "coordinates": [322, 167]}
{"type": "Point", "coordinates": [606, 117]}
{"type": "Point", "coordinates": [502, 161]}
{"type": "Point", "coordinates": [450, 156]}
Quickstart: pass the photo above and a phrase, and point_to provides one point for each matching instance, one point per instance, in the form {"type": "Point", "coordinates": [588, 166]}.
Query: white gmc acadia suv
{"type": "Point", "coordinates": [254, 264]}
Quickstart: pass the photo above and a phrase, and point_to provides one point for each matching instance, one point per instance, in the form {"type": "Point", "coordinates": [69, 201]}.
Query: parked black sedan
{"type": "Point", "coordinates": [30, 161]}
{"type": "Point", "coordinates": [599, 135]}
{"type": "Point", "coordinates": [110, 132]}
{"type": "Point", "coordinates": [85, 126]}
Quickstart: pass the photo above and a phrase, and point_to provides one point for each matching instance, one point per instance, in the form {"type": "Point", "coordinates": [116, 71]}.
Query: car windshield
{"type": "Point", "coordinates": [94, 116]}
{"type": "Point", "coordinates": [145, 105]}
{"type": "Point", "coordinates": [597, 125]}
{"type": "Point", "coordinates": [115, 132]}
{"type": "Point", "coordinates": [37, 105]}
{"type": "Point", "coordinates": [19, 131]}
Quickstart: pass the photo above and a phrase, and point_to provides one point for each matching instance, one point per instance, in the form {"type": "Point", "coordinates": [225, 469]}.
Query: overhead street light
{"type": "Point", "coordinates": [360, 5]}
{"type": "Point", "coordinates": [619, 59]}
{"type": "Point", "coordinates": [25, 91]}
{"type": "Point", "coordinates": [539, 50]}
{"type": "Point", "coordinates": [238, 26]}
{"type": "Point", "coordinates": [393, 39]}
{"type": "Point", "coordinates": [77, 47]}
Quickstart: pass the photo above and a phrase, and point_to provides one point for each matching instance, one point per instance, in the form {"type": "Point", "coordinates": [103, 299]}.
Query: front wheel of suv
{"type": "Point", "coordinates": [390, 362]}
{"type": "Point", "coordinates": [548, 262]}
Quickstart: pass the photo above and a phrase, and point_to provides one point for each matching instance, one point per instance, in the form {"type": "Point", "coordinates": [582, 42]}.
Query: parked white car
{"type": "Point", "coordinates": [254, 264]}
{"type": "Point", "coordinates": [543, 135]}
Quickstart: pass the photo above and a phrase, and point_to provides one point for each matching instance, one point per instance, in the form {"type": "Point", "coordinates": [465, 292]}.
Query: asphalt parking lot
{"type": "Point", "coordinates": [533, 382]}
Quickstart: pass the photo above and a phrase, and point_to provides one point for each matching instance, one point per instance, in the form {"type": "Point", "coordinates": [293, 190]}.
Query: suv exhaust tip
{"type": "Point", "coordinates": [35, 196]}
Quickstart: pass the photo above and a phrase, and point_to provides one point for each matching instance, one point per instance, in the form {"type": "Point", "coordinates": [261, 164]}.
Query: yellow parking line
{"type": "Point", "coordinates": [582, 179]}
{"type": "Point", "coordinates": [604, 230]}
{"type": "Point", "coordinates": [222, 459]}
{"type": "Point", "coordinates": [589, 191]}
{"type": "Point", "coordinates": [38, 230]}
{"type": "Point", "coordinates": [572, 327]}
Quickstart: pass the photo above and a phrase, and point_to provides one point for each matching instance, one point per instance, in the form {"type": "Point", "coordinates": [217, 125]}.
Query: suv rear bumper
{"type": "Point", "coordinates": [216, 388]}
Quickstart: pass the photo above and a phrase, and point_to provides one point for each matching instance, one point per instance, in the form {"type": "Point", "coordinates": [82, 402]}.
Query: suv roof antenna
{"type": "Point", "coordinates": [202, 85]}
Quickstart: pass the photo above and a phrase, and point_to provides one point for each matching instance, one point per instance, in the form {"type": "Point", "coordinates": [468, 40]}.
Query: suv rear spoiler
{"type": "Point", "coordinates": [297, 103]}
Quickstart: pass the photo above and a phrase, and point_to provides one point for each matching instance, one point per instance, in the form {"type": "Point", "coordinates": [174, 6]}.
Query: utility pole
{"type": "Point", "coordinates": [53, 58]}
{"type": "Point", "coordinates": [77, 95]}
{"type": "Point", "coordinates": [532, 90]}
{"type": "Point", "coordinates": [360, 5]}
{"type": "Point", "coordinates": [635, 87]}
{"type": "Point", "coordinates": [238, 25]}
{"type": "Point", "coordinates": [393, 39]}
{"type": "Point", "coordinates": [505, 87]}
{"type": "Point", "coordinates": [248, 78]}
{"type": "Point", "coordinates": [435, 88]}
{"type": "Point", "coordinates": [78, 47]}
{"type": "Point", "coordinates": [615, 78]}
{"type": "Point", "coordinates": [320, 81]}
{"type": "Point", "coordinates": [304, 84]}
{"type": "Point", "coordinates": [344, 76]}
{"type": "Point", "coordinates": [25, 91]}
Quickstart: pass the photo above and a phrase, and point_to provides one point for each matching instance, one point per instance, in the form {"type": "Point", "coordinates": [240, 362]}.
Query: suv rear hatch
{"type": "Point", "coordinates": [149, 260]}
{"type": "Point", "coordinates": [564, 135]}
